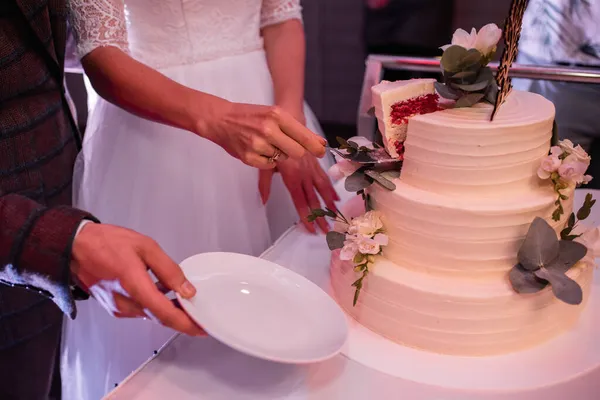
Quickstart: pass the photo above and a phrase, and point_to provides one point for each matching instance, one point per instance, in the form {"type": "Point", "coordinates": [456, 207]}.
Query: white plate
{"type": "Point", "coordinates": [262, 309]}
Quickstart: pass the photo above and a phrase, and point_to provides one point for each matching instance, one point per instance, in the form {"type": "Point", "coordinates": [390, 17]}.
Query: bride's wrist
{"type": "Point", "coordinates": [205, 110]}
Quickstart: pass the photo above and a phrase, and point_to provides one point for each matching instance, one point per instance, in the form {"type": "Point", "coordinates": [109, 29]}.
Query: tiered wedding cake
{"type": "Point", "coordinates": [471, 250]}
{"type": "Point", "coordinates": [467, 194]}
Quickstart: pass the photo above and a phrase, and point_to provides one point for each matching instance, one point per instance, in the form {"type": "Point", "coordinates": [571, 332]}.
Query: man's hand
{"type": "Point", "coordinates": [302, 177]}
{"type": "Point", "coordinates": [112, 263]}
{"type": "Point", "coordinates": [252, 133]}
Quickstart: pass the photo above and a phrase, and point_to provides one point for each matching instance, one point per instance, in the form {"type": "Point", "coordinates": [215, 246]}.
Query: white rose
{"type": "Point", "coordinates": [463, 38]}
{"type": "Point", "coordinates": [350, 248]}
{"type": "Point", "coordinates": [342, 169]}
{"type": "Point", "coordinates": [581, 154]}
{"type": "Point", "coordinates": [556, 151]}
{"type": "Point", "coordinates": [567, 146]}
{"type": "Point", "coordinates": [573, 170]}
{"type": "Point", "coordinates": [487, 39]}
{"type": "Point", "coordinates": [381, 239]}
{"type": "Point", "coordinates": [368, 246]}
{"type": "Point", "coordinates": [549, 165]}
{"type": "Point", "coordinates": [366, 224]}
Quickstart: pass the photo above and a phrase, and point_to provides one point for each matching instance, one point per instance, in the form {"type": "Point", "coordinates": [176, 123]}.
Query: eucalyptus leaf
{"type": "Point", "coordinates": [469, 99]}
{"type": "Point", "coordinates": [569, 254]}
{"type": "Point", "coordinates": [330, 213]}
{"type": "Point", "coordinates": [389, 185]}
{"type": "Point", "coordinates": [565, 233]}
{"type": "Point", "coordinates": [540, 247]}
{"type": "Point", "coordinates": [453, 58]}
{"type": "Point", "coordinates": [391, 174]}
{"type": "Point", "coordinates": [586, 208]}
{"type": "Point", "coordinates": [341, 141]}
{"type": "Point", "coordinates": [472, 58]}
{"type": "Point", "coordinates": [464, 75]}
{"type": "Point", "coordinates": [335, 240]}
{"type": "Point", "coordinates": [491, 95]}
{"type": "Point", "coordinates": [563, 287]}
{"type": "Point", "coordinates": [371, 111]}
{"type": "Point", "coordinates": [362, 157]}
{"type": "Point", "coordinates": [352, 144]}
{"type": "Point", "coordinates": [571, 222]}
{"type": "Point", "coordinates": [472, 87]}
{"type": "Point", "coordinates": [525, 282]}
{"type": "Point", "coordinates": [446, 92]}
{"type": "Point", "coordinates": [357, 181]}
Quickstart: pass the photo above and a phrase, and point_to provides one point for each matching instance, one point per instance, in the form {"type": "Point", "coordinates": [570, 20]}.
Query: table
{"type": "Point", "coordinates": [192, 368]}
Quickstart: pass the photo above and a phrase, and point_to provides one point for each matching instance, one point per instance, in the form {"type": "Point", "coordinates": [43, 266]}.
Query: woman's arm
{"type": "Point", "coordinates": [284, 42]}
{"type": "Point", "coordinates": [285, 48]}
{"type": "Point", "coordinates": [248, 132]}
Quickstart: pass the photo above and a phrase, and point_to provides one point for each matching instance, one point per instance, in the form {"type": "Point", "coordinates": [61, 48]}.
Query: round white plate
{"type": "Point", "coordinates": [262, 309]}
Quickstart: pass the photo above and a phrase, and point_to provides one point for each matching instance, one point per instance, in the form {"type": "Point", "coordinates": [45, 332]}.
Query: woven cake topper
{"type": "Point", "coordinates": [512, 33]}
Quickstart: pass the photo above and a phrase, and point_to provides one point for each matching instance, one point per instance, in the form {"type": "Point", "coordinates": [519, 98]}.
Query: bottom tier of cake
{"type": "Point", "coordinates": [454, 316]}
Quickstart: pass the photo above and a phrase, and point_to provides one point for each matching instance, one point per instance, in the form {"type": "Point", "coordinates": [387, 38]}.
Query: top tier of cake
{"type": "Point", "coordinates": [460, 152]}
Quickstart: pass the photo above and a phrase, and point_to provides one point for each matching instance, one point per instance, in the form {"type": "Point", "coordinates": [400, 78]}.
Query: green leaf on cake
{"type": "Point", "coordinates": [563, 287]}
{"type": "Point", "coordinates": [392, 174]}
{"type": "Point", "coordinates": [357, 181]}
{"type": "Point", "coordinates": [540, 246]}
{"type": "Point", "coordinates": [335, 240]}
{"type": "Point", "coordinates": [464, 75]}
{"type": "Point", "coordinates": [483, 80]}
{"type": "Point", "coordinates": [472, 59]}
{"type": "Point", "coordinates": [453, 57]}
{"type": "Point", "coordinates": [379, 178]}
{"type": "Point", "coordinates": [491, 93]}
{"type": "Point", "coordinates": [586, 209]}
{"type": "Point", "coordinates": [525, 282]}
{"type": "Point", "coordinates": [543, 260]}
{"type": "Point", "coordinates": [446, 92]}
{"type": "Point", "coordinates": [469, 99]}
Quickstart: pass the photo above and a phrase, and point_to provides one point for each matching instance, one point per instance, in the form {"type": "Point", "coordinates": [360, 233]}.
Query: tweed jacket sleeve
{"type": "Point", "coordinates": [35, 247]}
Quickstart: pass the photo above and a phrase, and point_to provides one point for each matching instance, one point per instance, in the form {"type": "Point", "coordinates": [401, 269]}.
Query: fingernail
{"type": "Point", "coordinates": [187, 290]}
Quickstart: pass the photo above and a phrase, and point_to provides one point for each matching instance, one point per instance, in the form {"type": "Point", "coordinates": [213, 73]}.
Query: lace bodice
{"type": "Point", "coordinates": [162, 33]}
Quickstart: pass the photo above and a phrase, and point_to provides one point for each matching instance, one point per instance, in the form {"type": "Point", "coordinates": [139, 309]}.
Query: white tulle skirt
{"type": "Point", "coordinates": [183, 191]}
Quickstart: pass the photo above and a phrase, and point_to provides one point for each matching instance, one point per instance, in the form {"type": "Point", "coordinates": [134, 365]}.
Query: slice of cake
{"type": "Point", "coordinates": [396, 102]}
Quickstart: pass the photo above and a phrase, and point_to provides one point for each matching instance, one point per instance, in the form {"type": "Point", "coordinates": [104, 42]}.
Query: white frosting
{"type": "Point", "coordinates": [460, 152]}
{"type": "Point", "coordinates": [454, 316]}
{"type": "Point", "coordinates": [465, 199]}
{"type": "Point", "coordinates": [473, 237]}
{"type": "Point", "coordinates": [385, 95]}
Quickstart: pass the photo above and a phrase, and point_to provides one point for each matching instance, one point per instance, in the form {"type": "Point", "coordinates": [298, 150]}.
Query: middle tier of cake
{"type": "Point", "coordinates": [471, 237]}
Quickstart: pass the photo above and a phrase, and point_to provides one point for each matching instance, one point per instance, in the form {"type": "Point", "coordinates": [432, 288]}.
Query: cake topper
{"type": "Point", "coordinates": [512, 33]}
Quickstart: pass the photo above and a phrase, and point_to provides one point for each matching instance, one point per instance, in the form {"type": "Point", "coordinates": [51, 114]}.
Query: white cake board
{"type": "Point", "coordinates": [556, 362]}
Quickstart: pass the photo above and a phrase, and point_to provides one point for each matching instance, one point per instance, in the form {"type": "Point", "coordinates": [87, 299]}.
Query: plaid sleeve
{"type": "Point", "coordinates": [35, 247]}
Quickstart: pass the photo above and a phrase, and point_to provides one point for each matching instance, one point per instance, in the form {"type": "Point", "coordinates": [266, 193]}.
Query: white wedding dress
{"type": "Point", "coordinates": [185, 192]}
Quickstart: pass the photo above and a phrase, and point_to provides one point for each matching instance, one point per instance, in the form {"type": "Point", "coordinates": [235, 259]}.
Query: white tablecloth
{"type": "Point", "coordinates": [193, 368]}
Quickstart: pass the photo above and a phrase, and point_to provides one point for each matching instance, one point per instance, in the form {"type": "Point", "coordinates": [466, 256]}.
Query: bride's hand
{"type": "Point", "coordinates": [253, 133]}
{"type": "Point", "coordinates": [302, 177]}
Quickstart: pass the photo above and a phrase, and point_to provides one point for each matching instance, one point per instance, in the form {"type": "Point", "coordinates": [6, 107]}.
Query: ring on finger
{"type": "Point", "coordinates": [275, 156]}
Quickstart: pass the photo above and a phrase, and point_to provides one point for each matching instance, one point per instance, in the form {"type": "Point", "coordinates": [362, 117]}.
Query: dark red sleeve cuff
{"type": "Point", "coordinates": [41, 253]}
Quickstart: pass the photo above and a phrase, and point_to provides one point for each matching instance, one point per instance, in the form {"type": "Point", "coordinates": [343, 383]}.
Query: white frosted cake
{"type": "Point", "coordinates": [467, 194]}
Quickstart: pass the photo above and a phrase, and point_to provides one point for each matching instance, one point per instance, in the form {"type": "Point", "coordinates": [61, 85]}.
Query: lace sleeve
{"type": "Point", "coordinates": [98, 23]}
{"type": "Point", "coordinates": [276, 11]}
